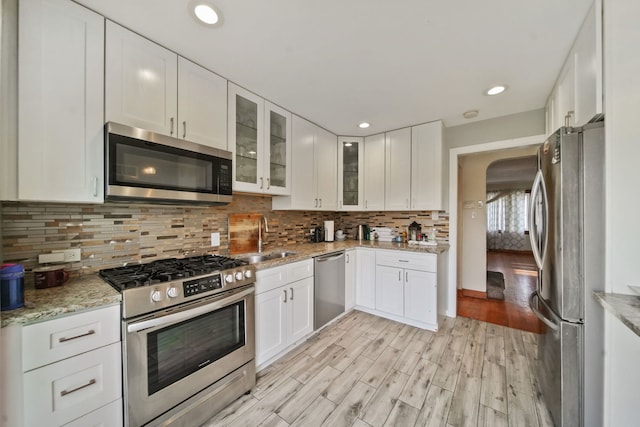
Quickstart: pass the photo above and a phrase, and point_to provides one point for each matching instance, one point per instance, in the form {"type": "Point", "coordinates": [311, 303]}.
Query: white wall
{"type": "Point", "coordinates": [622, 110]}
{"type": "Point", "coordinates": [472, 223]}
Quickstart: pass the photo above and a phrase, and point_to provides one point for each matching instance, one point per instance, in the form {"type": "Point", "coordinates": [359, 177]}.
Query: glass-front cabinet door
{"type": "Point", "coordinates": [277, 166]}
{"type": "Point", "coordinates": [350, 173]}
{"type": "Point", "coordinates": [259, 137]}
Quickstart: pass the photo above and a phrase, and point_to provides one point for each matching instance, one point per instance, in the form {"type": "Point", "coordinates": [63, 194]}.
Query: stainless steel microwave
{"type": "Point", "coordinates": [149, 167]}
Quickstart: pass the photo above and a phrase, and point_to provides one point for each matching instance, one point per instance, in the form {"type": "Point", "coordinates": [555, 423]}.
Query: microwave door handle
{"type": "Point", "coordinates": [188, 313]}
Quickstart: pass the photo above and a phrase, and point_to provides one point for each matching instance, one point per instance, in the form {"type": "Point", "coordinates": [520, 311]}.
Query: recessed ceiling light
{"type": "Point", "coordinates": [364, 125]}
{"type": "Point", "coordinates": [471, 114]}
{"type": "Point", "coordinates": [206, 12]}
{"type": "Point", "coordinates": [495, 90]}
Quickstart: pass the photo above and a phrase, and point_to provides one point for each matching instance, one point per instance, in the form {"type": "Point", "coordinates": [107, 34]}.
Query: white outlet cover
{"type": "Point", "coordinates": [215, 239]}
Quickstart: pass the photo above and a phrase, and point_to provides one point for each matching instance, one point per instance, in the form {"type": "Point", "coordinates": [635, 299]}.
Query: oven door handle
{"type": "Point", "coordinates": [188, 313]}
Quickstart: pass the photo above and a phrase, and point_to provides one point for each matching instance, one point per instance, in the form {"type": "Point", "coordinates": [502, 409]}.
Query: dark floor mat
{"type": "Point", "coordinates": [495, 285]}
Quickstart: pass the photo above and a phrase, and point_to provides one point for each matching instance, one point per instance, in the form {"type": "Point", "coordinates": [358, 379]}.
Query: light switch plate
{"type": "Point", "coordinates": [215, 239]}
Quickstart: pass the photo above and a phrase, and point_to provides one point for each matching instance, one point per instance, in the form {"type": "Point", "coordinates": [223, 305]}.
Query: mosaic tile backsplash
{"type": "Point", "coordinates": [111, 234]}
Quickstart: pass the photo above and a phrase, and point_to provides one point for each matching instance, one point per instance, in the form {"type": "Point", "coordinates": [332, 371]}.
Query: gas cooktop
{"type": "Point", "coordinates": [170, 282]}
{"type": "Point", "coordinates": [167, 270]}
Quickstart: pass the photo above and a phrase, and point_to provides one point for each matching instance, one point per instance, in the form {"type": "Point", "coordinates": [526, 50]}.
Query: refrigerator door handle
{"type": "Point", "coordinates": [549, 322]}
{"type": "Point", "coordinates": [538, 188]}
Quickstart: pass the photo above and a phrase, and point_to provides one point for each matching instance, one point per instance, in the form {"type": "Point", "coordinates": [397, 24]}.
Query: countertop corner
{"type": "Point", "coordinates": [624, 307]}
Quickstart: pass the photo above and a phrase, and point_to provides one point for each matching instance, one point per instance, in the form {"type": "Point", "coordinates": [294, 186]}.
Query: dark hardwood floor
{"type": "Point", "coordinates": [520, 276]}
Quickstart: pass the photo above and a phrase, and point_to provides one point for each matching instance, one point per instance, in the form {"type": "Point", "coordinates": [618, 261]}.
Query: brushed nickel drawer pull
{"type": "Point", "coordinates": [64, 339]}
{"type": "Point", "coordinates": [65, 392]}
{"type": "Point", "coordinates": [291, 294]}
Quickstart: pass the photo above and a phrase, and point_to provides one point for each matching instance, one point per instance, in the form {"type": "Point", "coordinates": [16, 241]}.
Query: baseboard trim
{"type": "Point", "coordinates": [473, 294]}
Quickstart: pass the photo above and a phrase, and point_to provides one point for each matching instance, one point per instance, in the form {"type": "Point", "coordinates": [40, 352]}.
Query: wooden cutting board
{"type": "Point", "coordinates": [243, 233]}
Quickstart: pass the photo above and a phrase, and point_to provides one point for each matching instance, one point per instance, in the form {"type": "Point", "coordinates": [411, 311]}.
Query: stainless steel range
{"type": "Point", "coordinates": [188, 337]}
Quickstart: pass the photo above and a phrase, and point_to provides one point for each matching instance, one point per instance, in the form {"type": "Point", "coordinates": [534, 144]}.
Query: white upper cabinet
{"type": "Point", "coordinates": [150, 87]}
{"type": "Point", "coordinates": [141, 82]}
{"type": "Point", "coordinates": [202, 105]}
{"type": "Point", "coordinates": [577, 96]}
{"type": "Point", "coordinates": [260, 139]}
{"type": "Point", "coordinates": [374, 155]}
{"type": "Point", "coordinates": [427, 171]}
{"type": "Point", "coordinates": [397, 188]}
{"type": "Point", "coordinates": [326, 169]}
{"type": "Point", "coordinates": [350, 173]}
{"type": "Point", "coordinates": [314, 176]}
{"type": "Point", "coordinates": [61, 104]}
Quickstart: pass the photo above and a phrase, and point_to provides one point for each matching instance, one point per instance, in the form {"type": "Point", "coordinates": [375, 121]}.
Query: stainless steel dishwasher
{"type": "Point", "coordinates": [329, 288]}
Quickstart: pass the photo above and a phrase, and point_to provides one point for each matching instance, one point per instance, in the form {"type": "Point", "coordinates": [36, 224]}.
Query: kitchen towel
{"type": "Point", "coordinates": [328, 231]}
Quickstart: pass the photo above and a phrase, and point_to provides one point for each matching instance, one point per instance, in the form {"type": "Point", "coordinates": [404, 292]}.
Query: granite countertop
{"type": "Point", "coordinates": [91, 291]}
{"type": "Point", "coordinates": [624, 307]}
{"type": "Point", "coordinates": [309, 250]}
{"type": "Point", "coordinates": [76, 295]}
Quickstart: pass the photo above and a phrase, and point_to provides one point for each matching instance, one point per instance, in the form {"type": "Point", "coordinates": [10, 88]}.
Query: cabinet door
{"type": "Point", "coordinates": [246, 133]}
{"type": "Point", "coordinates": [350, 173]}
{"type": "Point", "coordinates": [61, 104]}
{"type": "Point", "coordinates": [565, 94]}
{"type": "Point", "coordinates": [351, 273]}
{"type": "Point", "coordinates": [271, 324]}
{"type": "Point", "coordinates": [389, 290]}
{"type": "Point", "coordinates": [397, 189]}
{"type": "Point", "coordinates": [277, 150]}
{"type": "Point", "coordinates": [141, 82]}
{"type": "Point", "coordinates": [202, 105]}
{"type": "Point", "coordinates": [588, 63]}
{"type": "Point", "coordinates": [301, 306]}
{"type": "Point", "coordinates": [374, 163]}
{"type": "Point", "coordinates": [366, 278]}
{"type": "Point", "coordinates": [426, 167]}
{"type": "Point", "coordinates": [420, 296]}
{"type": "Point", "coordinates": [326, 167]}
{"type": "Point", "coordinates": [303, 193]}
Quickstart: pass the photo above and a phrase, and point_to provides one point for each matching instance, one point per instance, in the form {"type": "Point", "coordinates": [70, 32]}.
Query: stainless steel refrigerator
{"type": "Point", "coordinates": [566, 227]}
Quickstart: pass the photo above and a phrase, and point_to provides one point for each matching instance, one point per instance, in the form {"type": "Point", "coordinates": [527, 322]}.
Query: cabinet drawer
{"type": "Point", "coordinates": [54, 340]}
{"type": "Point", "coordinates": [300, 270]}
{"type": "Point", "coordinates": [108, 416]}
{"type": "Point", "coordinates": [270, 278]}
{"type": "Point", "coordinates": [405, 259]}
{"type": "Point", "coordinates": [65, 390]}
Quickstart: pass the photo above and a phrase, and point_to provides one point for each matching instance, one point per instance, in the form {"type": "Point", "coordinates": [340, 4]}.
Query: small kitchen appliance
{"type": "Point", "coordinates": [188, 333]}
{"type": "Point", "coordinates": [49, 277]}
{"type": "Point", "coordinates": [318, 235]}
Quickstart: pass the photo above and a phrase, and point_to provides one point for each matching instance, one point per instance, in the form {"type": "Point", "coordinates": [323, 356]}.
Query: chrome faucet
{"type": "Point", "coordinates": [266, 230]}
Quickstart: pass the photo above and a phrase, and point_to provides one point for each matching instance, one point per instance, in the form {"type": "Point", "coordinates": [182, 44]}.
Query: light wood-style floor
{"type": "Point", "coordinates": [368, 371]}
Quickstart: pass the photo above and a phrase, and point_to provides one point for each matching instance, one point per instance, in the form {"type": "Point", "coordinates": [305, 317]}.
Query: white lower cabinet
{"type": "Point", "coordinates": [73, 387]}
{"type": "Point", "coordinates": [284, 309]}
{"type": "Point", "coordinates": [350, 277]}
{"type": "Point", "coordinates": [64, 371]}
{"type": "Point", "coordinates": [406, 287]}
{"type": "Point", "coordinates": [366, 279]}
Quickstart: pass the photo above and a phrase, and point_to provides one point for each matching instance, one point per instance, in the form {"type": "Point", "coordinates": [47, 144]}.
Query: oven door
{"type": "Point", "coordinates": [173, 354]}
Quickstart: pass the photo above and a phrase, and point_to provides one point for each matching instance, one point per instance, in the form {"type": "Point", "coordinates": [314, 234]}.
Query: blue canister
{"type": "Point", "coordinates": [12, 286]}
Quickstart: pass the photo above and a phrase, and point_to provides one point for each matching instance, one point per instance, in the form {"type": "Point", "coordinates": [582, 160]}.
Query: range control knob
{"type": "Point", "coordinates": [228, 278]}
{"type": "Point", "coordinates": [156, 296]}
{"type": "Point", "coordinates": [247, 274]}
{"type": "Point", "coordinates": [172, 292]}
{"type": "Point", "coordinates": [239, 275]}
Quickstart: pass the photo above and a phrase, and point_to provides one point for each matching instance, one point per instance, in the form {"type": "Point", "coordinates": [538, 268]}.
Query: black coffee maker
{"type": "Point", "coordinates": [318, 235]}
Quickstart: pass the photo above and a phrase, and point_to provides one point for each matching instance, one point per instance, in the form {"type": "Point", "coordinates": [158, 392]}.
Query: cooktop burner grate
{"type": "Point", "coordinates": [166, 270]}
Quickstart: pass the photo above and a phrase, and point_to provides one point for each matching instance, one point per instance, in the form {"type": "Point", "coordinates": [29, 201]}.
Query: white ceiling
{"type": "Point", "coordinates": [392, 63]}
{"type": "Point", "coordinates": [516, 172]}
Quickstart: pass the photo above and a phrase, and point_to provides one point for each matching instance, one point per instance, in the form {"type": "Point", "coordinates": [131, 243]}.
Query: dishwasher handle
{"type": "Point", "coordinates": [330, 257]}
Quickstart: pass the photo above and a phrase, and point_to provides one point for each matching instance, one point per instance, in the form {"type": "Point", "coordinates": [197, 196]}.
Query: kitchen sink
{"type": "Point", "coordinates": [255, 258]}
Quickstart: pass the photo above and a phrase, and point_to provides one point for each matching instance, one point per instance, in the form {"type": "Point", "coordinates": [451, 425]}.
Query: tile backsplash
{"type": "Point", "coordinates": [111, 234]}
